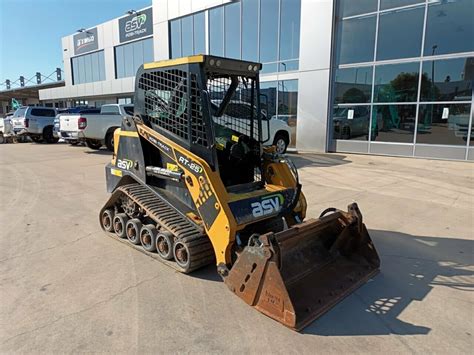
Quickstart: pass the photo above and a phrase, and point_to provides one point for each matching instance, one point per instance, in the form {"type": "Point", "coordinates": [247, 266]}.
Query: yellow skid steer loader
{"type": "Point", "coordinates": [192, 182]}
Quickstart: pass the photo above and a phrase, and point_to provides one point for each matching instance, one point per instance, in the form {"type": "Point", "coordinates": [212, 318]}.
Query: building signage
{"type": "Point", "coordinates": [86, 41]}
{"type": "Point", "coordinates": [136, 26]}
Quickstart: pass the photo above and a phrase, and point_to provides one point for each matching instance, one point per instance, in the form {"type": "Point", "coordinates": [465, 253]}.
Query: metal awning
{"type": "Point", "coordinates": [28, 92]}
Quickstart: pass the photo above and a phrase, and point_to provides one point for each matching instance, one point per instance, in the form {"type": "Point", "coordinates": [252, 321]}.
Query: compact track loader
{"type": "Point", "coordinates": [191, 184]}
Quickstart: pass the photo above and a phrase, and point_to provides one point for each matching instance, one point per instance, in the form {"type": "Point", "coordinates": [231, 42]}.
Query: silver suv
{"type": "Point", "coordinates": [37, 121]}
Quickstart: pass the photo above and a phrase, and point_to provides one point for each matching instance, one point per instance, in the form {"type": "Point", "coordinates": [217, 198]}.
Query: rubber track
{"type": "Point", "coordinates": [165, 215]}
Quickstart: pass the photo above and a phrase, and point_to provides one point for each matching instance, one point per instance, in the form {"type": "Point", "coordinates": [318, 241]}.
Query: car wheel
{"type": "Point", "coordinates": [36, 138]}
{"type": "Point", "coordinates": [281, 143]}
{"type": "Point", "coordinates": [48, 135]}
{"type": "Point", "coordinates": [93, 144]}
{"type": "Point", "coordinates": [109, 141]}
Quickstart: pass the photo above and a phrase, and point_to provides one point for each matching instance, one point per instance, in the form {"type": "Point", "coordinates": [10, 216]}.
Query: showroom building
{"type": "Point", "coordinates": [391, 77]}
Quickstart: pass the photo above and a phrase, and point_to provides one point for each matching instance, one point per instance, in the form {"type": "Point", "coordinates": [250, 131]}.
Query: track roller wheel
{"type": "Point", "coordinates": [133, 229]}
{"type": "Point", "coordinates": [120, 220]}
{"type": "Point", "coordinates": [106, 220]}
{"type": "Point", "coordinates": [181, 255]}
{"type": "Point", "coordinates": [148, 237]}
{"type": "Point", "coordinates": [164, 245]}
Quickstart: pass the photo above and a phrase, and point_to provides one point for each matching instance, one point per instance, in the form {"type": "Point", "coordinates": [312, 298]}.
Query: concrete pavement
{"type": "Point", "coordinates": [65, 287]}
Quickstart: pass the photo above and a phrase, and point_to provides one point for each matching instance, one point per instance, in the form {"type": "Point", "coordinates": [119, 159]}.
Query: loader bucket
{"type": "Point", "coordinates": [296, 275]}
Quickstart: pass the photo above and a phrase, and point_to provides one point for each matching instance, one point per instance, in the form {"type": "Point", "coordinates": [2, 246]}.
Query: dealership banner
{"type": "Point", "coordinates": [86, 41]}
{"type": "Point", "coordinates": [136, 26]}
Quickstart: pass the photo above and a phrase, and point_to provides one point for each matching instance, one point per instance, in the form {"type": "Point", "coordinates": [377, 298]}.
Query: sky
{"type": "Point", "coordinates": [31, 31]}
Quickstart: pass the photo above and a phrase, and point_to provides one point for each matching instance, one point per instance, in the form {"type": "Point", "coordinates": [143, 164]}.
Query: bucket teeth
{"type": "Point", "coordinates": [296, 275]}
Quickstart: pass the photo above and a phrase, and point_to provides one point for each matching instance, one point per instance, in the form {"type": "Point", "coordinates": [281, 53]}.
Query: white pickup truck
{"type": "Point", "coordinates": [68, 122]}
{"type": "Point", "coordinates": [98, 129]}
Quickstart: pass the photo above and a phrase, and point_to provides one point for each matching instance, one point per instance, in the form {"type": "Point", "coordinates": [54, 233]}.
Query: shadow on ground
{"type": "Point", "coordinates": [102, 151]}
{"type": "Point", "coordinates": [410, 267]}
{"type": "Point", "coordinates": [315, 160]}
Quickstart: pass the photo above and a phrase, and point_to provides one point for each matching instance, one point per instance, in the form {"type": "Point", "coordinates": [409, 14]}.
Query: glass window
{"type": "Point", "coordinates": [443, 124]}
{"type": "Point", "coordinates": [351, 122]}
{"type": "Point", "coordinates": [75, 71]}
{"type": "Point", "coordinates": [20, 112]}
{"type": "Point", "coordinates": [400, 33]}
{"type": "Point", "coordinates": [279, 100]}
{"type": "Point", "coordinates": [396, 82]}
{"type": "Point", "coordinates": [250, 30]}
{"type": "Point", "coordinates": [128, 60]}
{"type": "Point", "coordinates": [353, 85]}
{"type": "Point", "coordinates": [129, 110]}
{"type": "Point", "coordinates": [95, 66]}
{"type": "Point", "coordinates": [175, 28]}
{"type": "Point", "coordinates": [187, 36]}
{"type": "Point", "coordinates": [352, 7]}
{"type": "Point", "coordinates": [288, 65]}
{"type": "Point", "coordinates": [101, 65]}
{"type": "Point", "coordinates": [131, 56]}
{"type": "Point", "coordinates": [453, 79]}
{"type": "Point", "coordinates": [137, 55]}
{"type": "Point", "coordinates": [389, 4]}
{"type": "Point", "coordinates": [288, 106]}
{"type": "Point", "coordinates": [268, 98]}
{"type": "Point", "coordinates": [148, 50]}
{"type": "Point", "coordinates": [199, 33]}
{"type": "Point", "coordinates": [269, 31]}
{"type": "Point", "coordinates": [290, 29]}
{"type": "Point", "coordinates": [356, 40]}
{"type": "Point", "coordinates": [82, 70]}
{"type": "Point", "coordinates": [110, 110]}
{"type": "Point", "coordinates": [449, 27]}
{"type": "Point", "coordinates": [232, 30]}
{"type": "Point", "coordinates": [119, 63]}
{"type": "Point", "coordinates": [216, 30]}
{"type": "Point", "coordinates": [393, 123]}
{"type": "Point", "coordinates": [88, 68]}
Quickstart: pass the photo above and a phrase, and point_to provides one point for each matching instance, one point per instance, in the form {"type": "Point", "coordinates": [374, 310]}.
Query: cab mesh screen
{"type": "Point", "coordinates": [173, 106]}
{"type": "Point", "coordinates": [239, 114]}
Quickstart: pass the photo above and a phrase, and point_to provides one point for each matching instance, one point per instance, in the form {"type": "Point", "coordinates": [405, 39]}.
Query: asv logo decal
{"type": "Point", "coordinates": [135, 23]}
{"type": "Point", "coordinates": [125, 164]}
{"type": "Point", "coordinates": [269, 205]}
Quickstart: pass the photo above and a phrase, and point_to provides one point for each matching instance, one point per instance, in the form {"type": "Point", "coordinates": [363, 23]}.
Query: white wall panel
{"type": "Point", "coordinates": [160, 11]}
{"type": "Point", "coordinates": [111, 33]}
{"type": "Point", "coordinates": [184, 7]}
{"type": "Point", "coordinates": [160, 41]}
{"type": "Point", "coordinates": [97, 88]}
{"type": "Point", "coordinates": [315, 38]}
{"type": "Point", "coordinates": [116, 86]}
{"type": "Point", "coordinates": [106, 87]}
{"type": "Point", "coordinates": [128, 85]}
{"type": "Point", "coordinates": [313, 84]}
{"type": "Point", "coordinates": [109, 63]}
{"type": "Point", "coordinates": [67, 48]}
{"type": "Point", "coordinates": [173, 9]}
{"type": "Point", "coordinates": [198, 5]}
{"type": "Point", "coordinates": [312, 110]}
